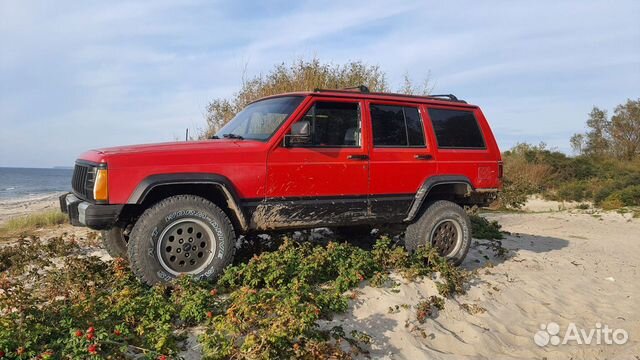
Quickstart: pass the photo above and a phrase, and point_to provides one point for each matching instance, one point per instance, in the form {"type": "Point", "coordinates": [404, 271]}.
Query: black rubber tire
{"type": "Point", "coordinates": [115, 242]}
{"type": "Point", "coordinates": [143, 257]}
{"type": "Point", "coordinates": [436, 212]}
{"type": "Point", "coordinates": [352, 231]}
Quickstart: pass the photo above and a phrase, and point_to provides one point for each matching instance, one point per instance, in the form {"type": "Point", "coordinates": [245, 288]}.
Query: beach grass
{"type": "Point", "coordinates": [31, 222]}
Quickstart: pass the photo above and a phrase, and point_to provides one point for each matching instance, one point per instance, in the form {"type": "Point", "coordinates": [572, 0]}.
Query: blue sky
{"type": "Point", "coordinates": [86, 74]}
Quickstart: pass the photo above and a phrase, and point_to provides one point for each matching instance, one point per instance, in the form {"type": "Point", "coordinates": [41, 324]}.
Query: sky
{"type": "Point", "coordinates": [77, 75]}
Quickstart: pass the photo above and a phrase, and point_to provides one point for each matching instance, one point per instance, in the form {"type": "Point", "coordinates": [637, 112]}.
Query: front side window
{"type": "Point", "coordinates": [396, 126]}
{"type": "Point", "coordinates": [333, 124]}
{"type": "Point", "coordinates": [259, 120]}
{"type": "Point", "coordinates": [456, 129]}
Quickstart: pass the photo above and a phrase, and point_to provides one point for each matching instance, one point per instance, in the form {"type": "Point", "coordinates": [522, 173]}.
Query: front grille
{"type": "Point", "coordinates": [82, 181]}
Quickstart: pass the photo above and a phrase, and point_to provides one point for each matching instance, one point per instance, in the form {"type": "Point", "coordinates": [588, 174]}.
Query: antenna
{"type": "Point", "coordinates": [186, 134]}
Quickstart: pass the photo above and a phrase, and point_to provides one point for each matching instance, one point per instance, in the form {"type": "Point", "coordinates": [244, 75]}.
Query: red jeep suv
{"type": "Point", "coordinates": [347, 159]}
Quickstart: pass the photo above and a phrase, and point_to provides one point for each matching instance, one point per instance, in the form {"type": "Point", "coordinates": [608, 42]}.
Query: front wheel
{"type": "Point", "coordinates": [182, 234]}
{"type": "Point", "coordinates": [115, 241]}
{"type": "Point", "coordinates": [445, 226]}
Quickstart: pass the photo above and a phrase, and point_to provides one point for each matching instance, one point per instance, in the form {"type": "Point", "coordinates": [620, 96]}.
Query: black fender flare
{"type": "Point", "coordinates": [223, 183]}
{"type": "Point", "coordinates": [428, 184]}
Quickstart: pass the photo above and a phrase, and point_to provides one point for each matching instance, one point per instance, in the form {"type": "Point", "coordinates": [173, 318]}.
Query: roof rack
{"type": "Point", "coordinates": [365, 90]}
{"type": "Point", "coordinates": [448, 96]}
{"type": "Point", "coordinates": [360, 88]}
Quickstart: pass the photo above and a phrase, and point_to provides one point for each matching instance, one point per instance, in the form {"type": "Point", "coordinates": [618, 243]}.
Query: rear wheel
{"type": "Point", "coordinates": [183, 234]}
{"type": "Point", "coordinates": [115, 242]}
{"type": "Point", "coordinates": [445, 226]}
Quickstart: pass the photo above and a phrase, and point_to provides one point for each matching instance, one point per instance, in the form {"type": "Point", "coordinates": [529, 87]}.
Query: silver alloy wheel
{"type": "Point", "coordinates": [446, 237]}
{"type": "Point", "coordinates": [186, 246]}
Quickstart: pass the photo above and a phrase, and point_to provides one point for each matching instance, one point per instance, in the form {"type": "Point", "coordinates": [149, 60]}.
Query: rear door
{"type": "Point", "coordinates": [323, 181]}
{"type": "Point", "coordinates": [461, 146]}
{"type": "Point", "coordinates": [400, 158]}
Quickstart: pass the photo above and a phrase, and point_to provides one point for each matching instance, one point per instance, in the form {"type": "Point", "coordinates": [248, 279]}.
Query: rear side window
{"type": "Point", "coordinates": [396, 126]}
{"type": "Point", "coordinates": [456, 129]}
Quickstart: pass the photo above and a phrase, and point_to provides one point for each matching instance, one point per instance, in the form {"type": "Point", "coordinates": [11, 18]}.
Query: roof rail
{"type": "Point", "coordinates": [365, 90]}
{"type": "Point", "coordinates": [360, 88]}
{"type": "Point", "coordinates": [449, 96]}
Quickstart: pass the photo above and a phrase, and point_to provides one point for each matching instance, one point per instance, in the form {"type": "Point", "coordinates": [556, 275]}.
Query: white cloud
{"type": "Point", "coordinates": [142, 71]}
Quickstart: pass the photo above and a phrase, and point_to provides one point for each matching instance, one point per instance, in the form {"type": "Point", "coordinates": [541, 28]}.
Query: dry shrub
{"type": "Point", "coordinates": [525, 173]}
{"type": "Point", "coordinates": [303, 75]}
{"type": "Point", "coordinates": [531, 176]}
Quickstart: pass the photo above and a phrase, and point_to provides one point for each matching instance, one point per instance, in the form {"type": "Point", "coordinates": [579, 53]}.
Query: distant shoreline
{"type": "Point", "coordinates": [21, 206]}
{"type": "Point", "coordinates": [31, 198]}
{"type": "Point", "coordinates": [38, 168]}
{"type": "Point", "coordinates": [29, 184]}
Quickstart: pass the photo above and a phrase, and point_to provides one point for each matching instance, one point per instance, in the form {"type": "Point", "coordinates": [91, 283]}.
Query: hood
{"type": "Point", "coordinates": [172, 152]}
{"type": "Point", "coordinates": [172, 146]}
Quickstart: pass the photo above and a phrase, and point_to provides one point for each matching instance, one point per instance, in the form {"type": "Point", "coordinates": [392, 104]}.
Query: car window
{"type": "Point", "coordinates": [456, 129]}
{"type": "Point", "coordinates": [259, 120]}
{"type": "Point", "coordinates": [334, 124]}
{"type": "Point", "coordinates": [396, 126]}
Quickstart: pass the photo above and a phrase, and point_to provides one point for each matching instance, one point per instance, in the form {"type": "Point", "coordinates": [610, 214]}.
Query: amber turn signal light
{"type": "Point", "coordinates": [100, 189]}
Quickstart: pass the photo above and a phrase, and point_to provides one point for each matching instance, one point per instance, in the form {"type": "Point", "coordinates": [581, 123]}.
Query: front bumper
{"type": "Point", "coordinates": [83, 213]}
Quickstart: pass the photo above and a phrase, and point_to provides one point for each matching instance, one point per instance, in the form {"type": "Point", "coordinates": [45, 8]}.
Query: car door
{"type": "Point", "coordinates": [321, 179]}
{"type": "Point", "coordinates": [400, 158]}
{"type": "Point", "coordinates": [461, 146]}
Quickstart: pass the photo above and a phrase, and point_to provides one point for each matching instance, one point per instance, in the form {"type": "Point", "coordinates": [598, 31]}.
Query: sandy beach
{"type": "Point", "coordinates": [19, 207]}
{"type": "Point", "coordinates": [563, 267]}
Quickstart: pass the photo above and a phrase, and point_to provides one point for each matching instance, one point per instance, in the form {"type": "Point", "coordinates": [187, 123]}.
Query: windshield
{"type": "Point", "coordinates": [260, 120]}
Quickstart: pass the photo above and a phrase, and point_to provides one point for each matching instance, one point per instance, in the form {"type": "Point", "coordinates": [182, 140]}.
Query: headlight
{"type": "Point", "coordinates": [100, 188]}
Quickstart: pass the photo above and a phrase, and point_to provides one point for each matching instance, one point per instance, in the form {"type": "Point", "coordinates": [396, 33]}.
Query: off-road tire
{"type": "Point", "coordinates": [115, 242]}
{"type": "Point", "coordinates": [150, 259]}
{"type": "Point", "coordinates": [446, 214]}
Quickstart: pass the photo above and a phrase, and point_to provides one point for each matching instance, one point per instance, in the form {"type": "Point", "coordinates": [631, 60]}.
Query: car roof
{"type": "Point", "coordinates": [379, 96]}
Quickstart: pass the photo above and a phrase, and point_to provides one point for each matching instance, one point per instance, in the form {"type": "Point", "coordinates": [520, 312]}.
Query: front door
{"type": "Point", "coordinates": [400, 158]}
{"type": "Point", "coordinates": [322, 179]}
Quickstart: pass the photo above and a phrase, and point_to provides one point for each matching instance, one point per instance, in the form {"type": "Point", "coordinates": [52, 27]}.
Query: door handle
{"type": "Point", "coordinates": [358, 157]}
{"type": "Point", "coordinates": [423, 157]}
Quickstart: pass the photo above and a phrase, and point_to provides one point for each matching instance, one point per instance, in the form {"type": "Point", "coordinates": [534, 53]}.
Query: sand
{"type": "Point", "coordinates": [565, 267]}
{"type": "Point", "coordinates": [21, 207]}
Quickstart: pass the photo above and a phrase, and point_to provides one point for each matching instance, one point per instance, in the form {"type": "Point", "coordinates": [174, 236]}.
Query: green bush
{"type": "Point", "coordinates": [267, 307]}
{"type": "Point", "coordinates": [533, 169]}
{"type": "Point", "coordinates": [572, 191]}
{"type": "Point", "coordinates": [482, 228]}
{"type": "Point", "coordinates": [629, 196]}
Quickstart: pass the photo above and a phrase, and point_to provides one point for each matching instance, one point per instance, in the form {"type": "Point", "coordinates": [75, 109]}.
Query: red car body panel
{"type": "Point", "coordinates": [264, 170]}
{"type": "Point", "coordinates": [315, 172]}
{"type": "Point", "coordinates": [242, 161]}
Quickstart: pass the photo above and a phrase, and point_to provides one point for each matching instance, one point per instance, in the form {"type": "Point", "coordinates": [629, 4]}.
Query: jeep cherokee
{"type": "Point", "coordinates": [346, 159]}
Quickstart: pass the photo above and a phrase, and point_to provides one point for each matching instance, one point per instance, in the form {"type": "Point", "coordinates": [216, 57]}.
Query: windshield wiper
{"type": "Point", "coordinates": [214, 137]}
{"type": "Point", "coordinates": [232, 136]}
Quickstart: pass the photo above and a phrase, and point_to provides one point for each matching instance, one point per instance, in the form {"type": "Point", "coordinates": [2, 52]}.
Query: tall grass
{"type": "Point", "coordinates": [31, 222]}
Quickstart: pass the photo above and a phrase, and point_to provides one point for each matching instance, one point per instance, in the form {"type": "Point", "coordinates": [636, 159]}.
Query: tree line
{"type": "Point", "coordinates": [616, 136]}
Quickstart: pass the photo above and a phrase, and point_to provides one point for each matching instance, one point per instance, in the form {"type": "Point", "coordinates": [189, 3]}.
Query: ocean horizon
{"type": "Point", "coordinates": [18, 183]}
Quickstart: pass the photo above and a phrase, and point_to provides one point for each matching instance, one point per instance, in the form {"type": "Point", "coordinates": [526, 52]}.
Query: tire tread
{"type": "Point", "coordinates": [149, 214]}
{"type": "Point", "coordinates": [413, 234]}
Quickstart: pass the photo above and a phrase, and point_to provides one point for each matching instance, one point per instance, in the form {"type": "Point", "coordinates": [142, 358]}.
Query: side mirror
{"type": "Point", "coordinates": [300, 134]}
